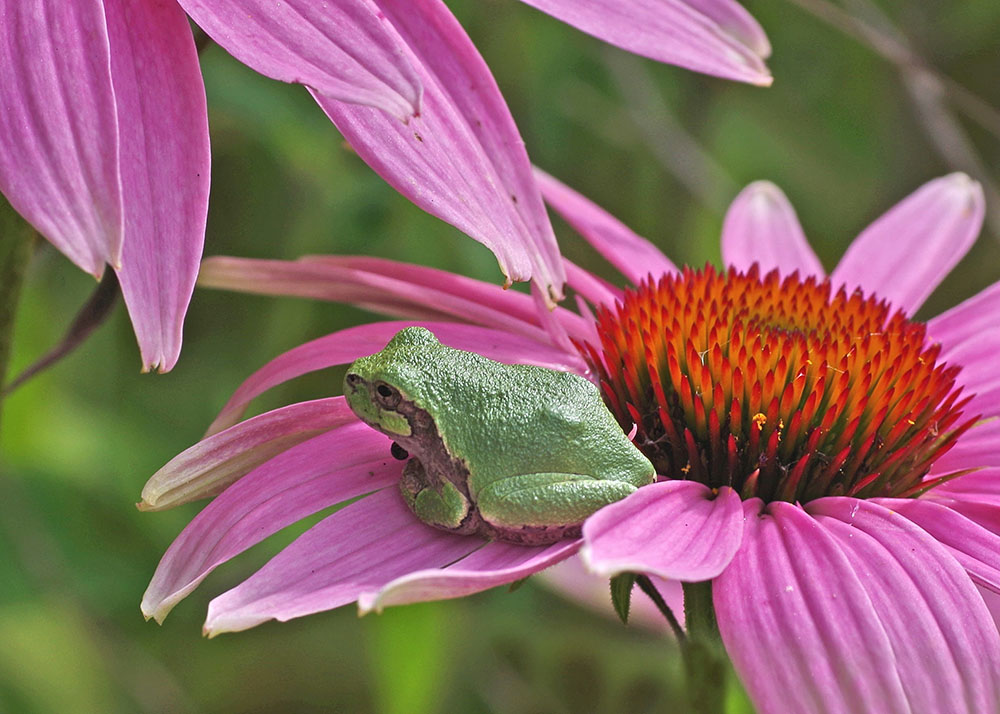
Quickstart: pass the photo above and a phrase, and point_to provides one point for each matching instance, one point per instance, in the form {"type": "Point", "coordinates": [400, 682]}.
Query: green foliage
{"type": "Point", "coordinates": [837, 132]}
{"type": "Point", "coordinates": [621, 594]}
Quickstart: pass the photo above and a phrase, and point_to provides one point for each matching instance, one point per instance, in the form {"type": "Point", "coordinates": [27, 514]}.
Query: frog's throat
{"type": "Point", "coordinates": [425, 444]}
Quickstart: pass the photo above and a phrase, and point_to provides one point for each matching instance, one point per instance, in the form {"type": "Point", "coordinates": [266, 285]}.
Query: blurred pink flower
{"type": "Point", "coordinates": [104, 130]}
{"type": "Point", "coordinates": [865, 592]}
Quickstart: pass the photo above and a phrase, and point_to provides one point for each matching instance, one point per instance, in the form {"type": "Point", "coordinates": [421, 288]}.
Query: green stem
{"type": "Point", "coordinates": [646, 585]}
{"type": "Point", "coordinates": [704, 656]}
{"type": "Point", "coordinates": [16, 238]}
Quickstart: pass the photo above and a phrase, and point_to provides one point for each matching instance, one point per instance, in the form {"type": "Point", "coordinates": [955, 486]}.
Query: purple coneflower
{"type": "Point", "coordinates": [829, 467]}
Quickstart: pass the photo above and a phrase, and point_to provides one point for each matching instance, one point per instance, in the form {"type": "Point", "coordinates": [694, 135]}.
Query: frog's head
{"type": "Point", "coordinates": [376, 386]}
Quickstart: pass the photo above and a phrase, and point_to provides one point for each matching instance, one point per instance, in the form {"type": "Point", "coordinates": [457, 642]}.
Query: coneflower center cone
{"type": "Point", "coordinates": [777, 387]}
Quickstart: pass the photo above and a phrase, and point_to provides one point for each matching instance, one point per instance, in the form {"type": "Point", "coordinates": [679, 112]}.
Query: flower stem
{"type": "Point", "coordinates": [16, 238]}
{"type": "Point", "coordinates": [646, 585]}
{"type": "Point", "coordinates": [704, 656]}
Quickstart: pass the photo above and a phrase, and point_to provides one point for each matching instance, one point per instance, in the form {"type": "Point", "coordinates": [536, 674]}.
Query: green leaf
{"type": "Point", "coordinates": [621, 594]}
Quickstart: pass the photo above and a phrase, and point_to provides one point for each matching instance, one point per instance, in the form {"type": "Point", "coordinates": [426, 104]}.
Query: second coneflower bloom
{"type": "Point", "coordinates": [828, 466]}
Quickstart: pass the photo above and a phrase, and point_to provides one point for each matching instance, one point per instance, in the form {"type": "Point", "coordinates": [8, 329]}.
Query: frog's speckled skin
{"type": "Point", "coordinates": [514, 452]}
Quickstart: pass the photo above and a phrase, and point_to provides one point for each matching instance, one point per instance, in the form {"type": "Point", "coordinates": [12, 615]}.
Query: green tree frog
{"type": "Point", "coordinates": [516, 453]}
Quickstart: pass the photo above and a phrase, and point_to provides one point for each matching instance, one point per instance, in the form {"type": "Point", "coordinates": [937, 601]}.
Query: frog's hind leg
{"type": "Point", "coordinates": [437, 502]}
{"type": "Point", "coordinates": [541, 508]}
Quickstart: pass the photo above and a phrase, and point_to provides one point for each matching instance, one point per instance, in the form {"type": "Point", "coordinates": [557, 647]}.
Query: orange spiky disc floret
{"type": "Point", "coordinates": [775, 387]}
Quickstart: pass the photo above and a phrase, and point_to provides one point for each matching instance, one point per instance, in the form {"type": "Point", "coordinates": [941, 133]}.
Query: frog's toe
{"type": "Point", "coordinates": [440, 504]}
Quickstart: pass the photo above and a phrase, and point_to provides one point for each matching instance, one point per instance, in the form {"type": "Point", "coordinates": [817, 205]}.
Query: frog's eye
{"type": "Point", "coordinates": [386, 396]}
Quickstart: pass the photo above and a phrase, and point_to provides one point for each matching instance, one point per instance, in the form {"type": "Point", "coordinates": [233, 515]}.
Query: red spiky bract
{"type": "Point", "coordinates": [778, 388]}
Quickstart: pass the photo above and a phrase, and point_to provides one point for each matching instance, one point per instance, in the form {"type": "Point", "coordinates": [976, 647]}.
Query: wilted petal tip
{"type": "Point", "coordinates": [368, 603]}
{"type": "Point", "coordinates": [965, 188]}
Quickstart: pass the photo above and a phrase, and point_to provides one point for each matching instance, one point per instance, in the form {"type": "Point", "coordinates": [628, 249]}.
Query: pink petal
{"type": "Point", "coordinates": [946, 648]}
{"type": "Point", "coordinates": [357, 549]}
{"type": "Point", "coordinates": [671, 31]}
{"type": "Point", "coordinates": [975, 547]}
{"type": "Point", "coordinates": [978, 487]}
{"type": "Point", "coordinates": [976, 448]}
{"type": "Point", "coordinates": [761, 227]}
{"type": "Point", "coordinates": [905, 254]}
{"type": "Point", "coordinates": [343, 49]}
{"type": "Point", "coordinates": [561, 325]}
{"type": "Point", "coordinates": [505, 303]}
{"type": "Point", "coordinates": [59, 128]}
{"type": "Point", "coordinates": [573, 581]}
{"type": "Point", "coordinates": [992, 601]}
{"type": "Point", "coordinates": [385, 286]}
{"type": "Point", "coordinates": [979, 375]}
{"type": "Point", "coordinates": [345, 346]}
{"type": "Point", "coordinates": [678, 530]}
{"type": "Point", "coordinates": [212, 464]}
{"type": "Point", "coordinates": [462, 158]}
{"type": "Point", "coordinates": [798, 624]}
{"type": "Point", "coordinates": [492, 565]}
{"type": "Point", "coordinates": [977, 499]}
{"type": "Point", "coordinates": [966, 320]}
{"type": "Point", "coordinates": [734, 19]}
{"type": "Point", "coordinates": [328, 469]}
{"type": "Point", "coordinates": [165, 163]}
{"type": "Point", "coordinates": [593, 288]}
{"type": "Point", "coordinates": [634, 256]}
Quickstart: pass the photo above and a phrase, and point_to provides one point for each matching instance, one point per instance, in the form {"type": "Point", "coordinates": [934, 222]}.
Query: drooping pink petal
{"type": "Point", "coordinates": [212, 464]}
{"type": "Point", "coordinates": [678, 530]}
{"type": "Point", "coordinates": [561, 325]}
{"type": "Point", "coordinates": [59, 127]}
{"type": "Point", "coordinates": [978, 447]}
{"type": "Point", "coordinates": [165, 164]}
{"type": "Point", "coordinates": [343, 49]}
{"type": "Point", "coordinates": [355, 550]}
{"type": "Point", "coordinates": [798, 623]}
{"type": "Point", "coordinates": [979, 375]}
{"type": "Point", "coordinates": [347, 345]}
{"type": "Point", "coordinates": [906, 253]}
{"type": "Point", "coordinates": [327, 469]}
{"type": "Point", "coordinates": [761, 227]}
{"type": "Point", "coordinates": [573, 581]}
{"type": "Point", "coordinates": [672, 31]}
{"type": "Point", "coordinates": [507, 303]}
{"type": "Point", "coordinates": [462, 159]}
{"type": "Point", "coordinates": [634, 256]}
{"type": "Point", "coordinates": [966, 320]}
{"type": "Point", "coordinates": [734, 19]}
{"type": "Point", "coordinates": [593, 288]}
{"type": "Point", "coordinates": [946, 648]}
{"type": "Point", "coordinates": [493, 564]}
{"type": "Point", "coordinates": [390, 287]}
{"type": "Point", "coordinates": [972, 545]}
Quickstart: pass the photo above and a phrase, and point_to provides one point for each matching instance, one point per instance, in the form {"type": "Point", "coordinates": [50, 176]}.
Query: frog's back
{"type": "Point", "coordinates": [530, 419]}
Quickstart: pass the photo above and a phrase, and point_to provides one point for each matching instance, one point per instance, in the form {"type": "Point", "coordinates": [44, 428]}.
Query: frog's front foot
{"type": "Point", "coordinates": [438, 502]}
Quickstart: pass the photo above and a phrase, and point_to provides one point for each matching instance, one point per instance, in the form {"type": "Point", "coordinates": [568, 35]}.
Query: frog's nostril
{"type": "Point", "coordinates": [353, 380]}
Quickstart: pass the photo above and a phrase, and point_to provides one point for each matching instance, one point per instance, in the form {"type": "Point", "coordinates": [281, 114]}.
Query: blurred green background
{"type": "Point", "coordinates": [845, 131]}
